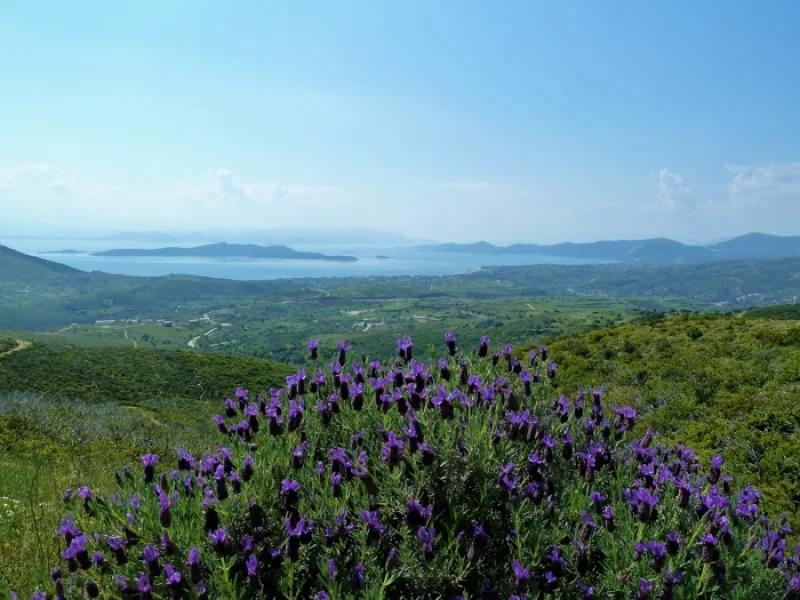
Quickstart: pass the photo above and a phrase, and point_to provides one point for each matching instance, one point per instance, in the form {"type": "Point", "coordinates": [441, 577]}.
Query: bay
{"type": "Point", "coordinates": [400, 261]}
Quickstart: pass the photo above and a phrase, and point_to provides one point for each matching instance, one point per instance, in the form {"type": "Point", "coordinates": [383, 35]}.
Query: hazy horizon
{"type": "Point", "coordinates": [300, 236]}
{"type": "Point", "coordinates": [447, 121]}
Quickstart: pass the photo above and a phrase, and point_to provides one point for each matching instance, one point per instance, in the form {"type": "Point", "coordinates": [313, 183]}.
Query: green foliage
{"type": "Point", "coordinates": [786, 311]}
{"type": "Point", "coordinates": [719, 384]}
{"type": "Point", "coordinates": [499, 491]}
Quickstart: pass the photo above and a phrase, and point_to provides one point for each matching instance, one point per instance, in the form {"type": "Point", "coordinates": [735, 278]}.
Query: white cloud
{"type": "Point", "coordinates": [766, 185]}
{"type": "Point", "coordinates": [221, 187]}
{"type": "Point", "coordinates": [673, 193]}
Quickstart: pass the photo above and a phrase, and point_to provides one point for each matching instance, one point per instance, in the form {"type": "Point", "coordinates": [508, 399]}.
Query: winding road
{"type": "Point", "coordinates": [21, 345]}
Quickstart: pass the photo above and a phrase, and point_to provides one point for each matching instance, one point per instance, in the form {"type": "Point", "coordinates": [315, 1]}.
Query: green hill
{"type": "Point", "coordinates": [16, 266]}
{"type": "Point", "coordinates": [719, 384]}
{"type": "Point", "coordinates": [785, 311]}
{"type": "Point", "coordinates": [134, 376]}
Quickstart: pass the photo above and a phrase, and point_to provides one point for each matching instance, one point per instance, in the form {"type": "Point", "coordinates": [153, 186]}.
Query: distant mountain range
{"type": "Point", "coordinates": [652, 251]}
{"type": "Point", "coordinates": [271, 237]}
{"type": "Point", "coordinates": [225, 250]}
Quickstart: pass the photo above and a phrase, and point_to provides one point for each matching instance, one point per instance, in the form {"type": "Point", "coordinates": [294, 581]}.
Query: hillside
{"type": "Point", "coordinates": [726, 384]}
{"type": "Point", "coordinates": [225, 250]}
{"type": "Point", "coordinates": [751, 246]}
{"type": "Point", "coordinates": [133, 376]}
{"type": "Point", "coordinates": [758, 245]}
{"type": "Point", "coordinates": [518, 486]}
{"type": "Point", "coordinates": [18, 267]}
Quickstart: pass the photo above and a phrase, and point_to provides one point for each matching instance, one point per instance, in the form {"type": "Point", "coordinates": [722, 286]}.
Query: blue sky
{"type": "Point", "coordinates": [506, 121]}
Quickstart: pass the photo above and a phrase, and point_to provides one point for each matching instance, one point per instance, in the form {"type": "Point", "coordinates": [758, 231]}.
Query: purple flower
{"type": "Point", "coordinates": [392, 451]}
{"type": "Point", "coordinates": [185, 460]}
{"type": "Point", "coordinates": [673, 577]}
{"type": "Point", "coordinates": [343, 348]}
{"type": "Point", "coordinates": [427, 536]}
{"type": "Point", "coordinates": [173, 577]}
{"type": "Point", "coordinates": [508, 478]}
{"type": "Point", "coordinates": [626, 416]}
{"type": "Point", "coordinates": [322, 595]}
{"type": "Point", "coordinates": [220, 423]}
{"type": "Point", "coordinates": [150, 554]}
{"type": "Point", "coordinates": [644, 504]}
{"type": "Point", "coordinates": [522, 575]}
{"type": "Point", "coordinates": [716, 466]}
{"type": "Point", "coordinates": [416, 513]}
{"type": "Point", "coordinates": [450, 340]}
{"type": "Point", "coordinates": [143, 584]}
{"type": "Point", "coordinates": [289, 489]}
{"type": "Point", "coordinates": [358, 576]}
{"type": "Point", "coordinates": [84, 493]}
{"type": "Point", "coordinates": [405, 348]}
{"type": "Point", "coordinates": [247, 468]}
{"type": "Point", "coordinates": [556, 560]}
{"type": "Point", "coordinates": [336, 482]}
{"type": "Point", "coordinates": [313, 346]}
{"type": "Point", "coordinates": [483, 351]}
{"type": "Point", "coordinates": [331, 569]}
{"type": "Point", "coordinates": [149, 462]}
{"type": "Point", "coordinates": [373, 522]}
{"type": "Point", "coordinates": [588, 526]}
{"type": "Point", "coordinates": [428, 455]}
{"type": "Point", "coordinates": [220, 540]}
{"type": "Point", "coordinates": [709, 549]}
{"type": "Point", "coordinates": [252, 565]}
{"type": "Point", "coordinates": [550, 579]}
{"type": "Point", "coordinates": [645, 589]}
{"type": "Point", "coordinates": [673, 543]}
{"type": "Point", "coordinates": [586, 591]}
{"type": "Point", "coordinates": [598, 500]}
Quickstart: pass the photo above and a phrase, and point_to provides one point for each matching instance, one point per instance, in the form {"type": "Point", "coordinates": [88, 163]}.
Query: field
{"type": "Point", "coordinates": [278, 329]}
{"type": "Point", "coordinates": [719, 383]}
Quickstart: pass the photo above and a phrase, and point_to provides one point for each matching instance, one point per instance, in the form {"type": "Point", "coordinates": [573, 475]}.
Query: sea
{"type": "Point", "coordinates": [399, 261]}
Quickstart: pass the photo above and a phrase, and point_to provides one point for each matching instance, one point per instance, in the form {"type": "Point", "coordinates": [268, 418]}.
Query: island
{"type": "Point", "coordinates": [382, 257]}
{"type": "Point", "coordinates": [225, 250]}
{"type": "Point", "coordinates": [68, 251]}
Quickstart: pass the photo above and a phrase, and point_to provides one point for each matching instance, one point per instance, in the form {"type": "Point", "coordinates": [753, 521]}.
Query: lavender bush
{"type": "Point", "coordinates": [456, 477]}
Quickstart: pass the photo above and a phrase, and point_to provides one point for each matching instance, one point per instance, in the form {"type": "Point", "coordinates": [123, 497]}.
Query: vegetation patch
{"type": "Point", "coordinates": [471, 476]}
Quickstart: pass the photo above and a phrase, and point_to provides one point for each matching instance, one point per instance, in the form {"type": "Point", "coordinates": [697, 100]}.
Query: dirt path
{"type": "Point", "coordinates": [193, 342]}
{"type": "Point", "coordinates": [21, 345]}
{"type": "Point", "coordinates": [135, 344]}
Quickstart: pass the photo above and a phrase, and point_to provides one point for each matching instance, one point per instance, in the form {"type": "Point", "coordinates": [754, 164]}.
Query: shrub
{"type": "Point", "coordinates": [448, 479]}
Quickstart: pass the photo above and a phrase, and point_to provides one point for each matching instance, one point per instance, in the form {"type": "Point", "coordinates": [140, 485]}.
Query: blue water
{"type": "Point", "coordinates": [401, 261]}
